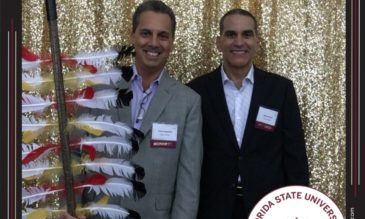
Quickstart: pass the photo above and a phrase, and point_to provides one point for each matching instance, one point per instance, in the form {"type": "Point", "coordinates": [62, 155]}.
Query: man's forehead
{"type": "Point", "coordinates": [238, 23]}
{"type": "Point", "coordinates": [240, 30]}
{"type": "Point", "coordinates": [160, 21]}
{"type": "Point", "coordinates": [238, 19]}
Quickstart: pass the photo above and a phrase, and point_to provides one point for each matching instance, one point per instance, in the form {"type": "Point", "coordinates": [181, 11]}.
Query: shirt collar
{"type": "Point", "coordinates": [136, 77]}
{"type": "Point", "coordinates": [248, 77]}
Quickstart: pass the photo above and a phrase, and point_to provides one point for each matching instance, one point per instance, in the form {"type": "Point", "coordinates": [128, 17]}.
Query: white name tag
{"type": "Point", "coordinates": [266, 119]}
{"type": "Point", "coordinates": [164, 135]}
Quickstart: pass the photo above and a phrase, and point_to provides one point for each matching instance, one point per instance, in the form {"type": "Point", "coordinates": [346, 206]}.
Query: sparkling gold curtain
{"type": "Point", "coordinates": [303, 40]}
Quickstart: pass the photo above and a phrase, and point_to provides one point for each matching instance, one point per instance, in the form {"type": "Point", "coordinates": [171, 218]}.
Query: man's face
{"type": "Point", "coordinates": [153, 40]}
{"type": "Point", "coordinates": [238, 42]}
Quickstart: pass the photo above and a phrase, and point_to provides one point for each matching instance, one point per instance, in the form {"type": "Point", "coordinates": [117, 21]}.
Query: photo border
{"type": "Point", "coordinates": [10, 71]}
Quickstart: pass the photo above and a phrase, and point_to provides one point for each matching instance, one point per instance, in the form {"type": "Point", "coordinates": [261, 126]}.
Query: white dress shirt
{"type": "Point", "coordinates": [238, 101]}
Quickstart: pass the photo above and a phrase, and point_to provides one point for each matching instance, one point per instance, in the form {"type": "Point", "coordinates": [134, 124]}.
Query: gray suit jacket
{"type": "Point", "coordinates": [172, 175]}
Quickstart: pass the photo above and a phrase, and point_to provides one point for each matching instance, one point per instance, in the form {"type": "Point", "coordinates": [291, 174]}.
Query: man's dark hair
{"type": "Point", "coordinates": [237, 11]}
{"type": "Point", "coordinates": [155, 6]}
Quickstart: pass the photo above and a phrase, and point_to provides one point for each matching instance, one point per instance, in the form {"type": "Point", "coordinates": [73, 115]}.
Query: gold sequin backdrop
{"type": "Point", "coordinates": [303, 40]}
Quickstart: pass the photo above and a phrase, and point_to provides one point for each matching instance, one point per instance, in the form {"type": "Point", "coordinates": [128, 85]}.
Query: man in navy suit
{"type": "Point", "coordinates": [252, 130]}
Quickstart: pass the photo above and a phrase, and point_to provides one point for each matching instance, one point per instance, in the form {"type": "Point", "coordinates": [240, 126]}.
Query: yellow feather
{"type": "Point", "coordinates": [38, 214]}
{"type": "Point", "coordinates": [30, 178]}
{"type": "Point", "coordinates": [89, 83]}
{"type": "Point", "coordinates": [71, 81]}
{"type": "Point", "coordinates": [92, 130]}
{"type": "Point", "coordinates": [80, 211]}
{"type": "Point", "coordinates": [27, 87]}
{"type": "Point", "coordinates": [104, 200]}
{"type": "Point", "coordinates": [29, 136]}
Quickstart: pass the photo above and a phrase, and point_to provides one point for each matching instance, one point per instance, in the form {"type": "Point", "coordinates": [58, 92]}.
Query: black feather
{"type": "Point", "coordinates": [139, 172]}
{"type": "Point", "coordinates": [139, 190]}
{"type": "Point", "coordinates": [124, 97]}
{"type": "Point", "coordinates": [133, 215]}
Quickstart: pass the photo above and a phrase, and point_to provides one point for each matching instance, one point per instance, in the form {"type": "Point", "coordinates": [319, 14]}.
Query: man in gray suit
{"type": "Point", "coordinates": [168, 114]}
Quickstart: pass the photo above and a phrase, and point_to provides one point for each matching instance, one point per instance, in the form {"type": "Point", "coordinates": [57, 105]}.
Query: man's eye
{"type": "Point", "coordinates": [248, 34]}
{"type": "Point", "coordinates": [145, 33]}
{"type": "Point", "coordinates": [164, 37]}
{"type": "Point", "coordinates": [230, 34]}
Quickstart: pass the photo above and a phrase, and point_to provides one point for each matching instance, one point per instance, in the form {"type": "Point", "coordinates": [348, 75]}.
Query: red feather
{"type": "Point", "coordinates": [95, 179]}
{"type": "Point", "coordinates": [87, 93]}
{"type": "Point", "coordinates": [27, 55]}
{"type": "Point", "coordinates": [90, 150]}
{"type": "Point", "coordinates": [34, 154]}
{"type": "Point", "coordinates": [90, 68]}
{"type": "Point", "coordinates": [38, 152]}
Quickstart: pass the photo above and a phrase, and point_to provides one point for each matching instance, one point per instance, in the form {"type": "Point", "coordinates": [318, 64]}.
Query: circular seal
{"type": "Point", "coordinates": [296, 202]}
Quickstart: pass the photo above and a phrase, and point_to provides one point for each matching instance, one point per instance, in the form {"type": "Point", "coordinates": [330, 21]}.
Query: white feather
{"type": "Point", "coordinates": [113, 145]}
{"type": "Point", "coordinates": [36, 168]}
{"type": "Point", "coordinates": [96, 59]}
{"type": "Point", "coordinates": [32, 124]}
{"type": "Point", "coordinates": [103, 99]}
{"type": "Point", "coordinates": [29, 65]}
{"type": "Point", "coordinates": [113, 187]}
{"type": "Point", "coordinates": [33, 79]}
{"type": "Point", "coordinates": [108, 78]}
{"type": "Point", "coordinates": [32, 103]}
{"type": "Point", "coordinates": [108, 211]}
{"type": "Point", "coordinates": [118, 167]}
{"type": "Point", "coordinates": [27, 148]}
{"type": "Point", "coordinates": [34, 194]}
{"type": "Point", "coordinates": [104, 123]}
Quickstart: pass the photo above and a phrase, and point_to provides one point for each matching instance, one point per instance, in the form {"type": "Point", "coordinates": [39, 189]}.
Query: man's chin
{"type": "Point", "coordinates": [152, 66]}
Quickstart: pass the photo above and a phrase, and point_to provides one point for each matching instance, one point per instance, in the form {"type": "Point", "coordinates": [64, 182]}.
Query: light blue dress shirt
{"type": "Point", "coordinates": [141, 98]}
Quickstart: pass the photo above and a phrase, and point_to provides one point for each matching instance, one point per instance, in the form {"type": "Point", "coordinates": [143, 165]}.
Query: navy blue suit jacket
{"type": "Point", "coordinates": [266, 160]}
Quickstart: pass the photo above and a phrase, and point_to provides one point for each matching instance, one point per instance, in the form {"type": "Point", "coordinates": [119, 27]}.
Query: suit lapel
{"type": "Point", "coordinates": [219, 104]}
{"type": "Point", "coordinates": [158, 103]}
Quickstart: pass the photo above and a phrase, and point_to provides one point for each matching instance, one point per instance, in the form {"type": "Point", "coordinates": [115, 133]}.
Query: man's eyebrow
{"type": "Point", "coordinates": [229, 31]}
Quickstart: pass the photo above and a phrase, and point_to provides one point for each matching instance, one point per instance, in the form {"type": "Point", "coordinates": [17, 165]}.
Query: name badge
{"type": "Point", "coordinates": [164, 135]}
{"type": "Point", "coordinates": [266, 119]}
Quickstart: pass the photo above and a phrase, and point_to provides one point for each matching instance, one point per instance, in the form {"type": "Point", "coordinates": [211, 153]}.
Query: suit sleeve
{"type": "Point", "coordinates": [295, 158]}
{"type": "Point", "coordinates": [185, 205]}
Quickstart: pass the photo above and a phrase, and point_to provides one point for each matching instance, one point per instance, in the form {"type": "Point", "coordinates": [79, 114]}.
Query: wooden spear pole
{"type": "Point", "coordinates": [62, 116]}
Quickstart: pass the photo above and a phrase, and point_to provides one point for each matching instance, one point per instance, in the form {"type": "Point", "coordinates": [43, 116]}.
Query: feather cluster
{"type": "Point", "coordinates": [101, 147]}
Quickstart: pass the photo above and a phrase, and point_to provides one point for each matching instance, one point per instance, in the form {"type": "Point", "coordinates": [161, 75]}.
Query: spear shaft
{"type": "Point", "coordinates": [62, 116]}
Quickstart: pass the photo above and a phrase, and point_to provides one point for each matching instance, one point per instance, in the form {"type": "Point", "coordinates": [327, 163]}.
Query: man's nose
{"type": "Point", "coordinates": [154, 40]}
{"type": "Point", "coordinates": [239, 41]}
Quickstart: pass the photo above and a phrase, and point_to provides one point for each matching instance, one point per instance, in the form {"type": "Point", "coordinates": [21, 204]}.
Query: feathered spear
{"type": "Point", "coordinates": [59, 90]}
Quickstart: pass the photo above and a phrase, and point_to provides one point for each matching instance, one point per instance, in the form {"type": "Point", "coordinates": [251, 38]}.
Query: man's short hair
{"type": "Point", "coordinates": [155, 6]}
{"type": "Point", "coordinates": [237, 11]}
